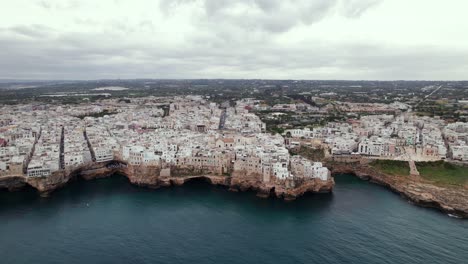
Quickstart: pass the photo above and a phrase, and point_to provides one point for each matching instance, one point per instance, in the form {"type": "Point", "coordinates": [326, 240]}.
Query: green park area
{"type": "Point", "coordinates": [391, 167]}
{"type": "Point", "coordinates": [443, 173]}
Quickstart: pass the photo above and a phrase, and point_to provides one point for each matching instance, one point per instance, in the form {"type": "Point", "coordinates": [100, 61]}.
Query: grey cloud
{"type": "Point", "coordinates": [220, 43]}
{"type": "Point", "coordinates": [272, 16]}
{"type": "Point", "coordinates": [268, 5]}
{"type": "Point", "coordinates": [275, 17]}
{"type": "Point", "coordinates": [355, 8]}
{"type": "Point", "coordinates": [91, 56]}
{"type": "Point", "coordinates": [32, 31]}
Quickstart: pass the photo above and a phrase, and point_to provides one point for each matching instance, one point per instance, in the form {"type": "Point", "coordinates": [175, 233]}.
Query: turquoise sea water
{"type": "Point", "coordinates": [111, 221]}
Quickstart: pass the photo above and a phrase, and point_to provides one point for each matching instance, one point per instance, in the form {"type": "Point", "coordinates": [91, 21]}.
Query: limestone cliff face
{"type": "Point", "coordinates": [12, 183]}
{"type": "Point", "coordinates": [241, 182]}
{"type": "Point", "coordinates": [452, 200]}
{"type": "Point", "coordinates": [147, 176]}
{"type": "Point", "coordinates": [286, 189]}
{"type": "Point", "coordinates": [155, 177]}
{"type": "Point", "coordinates": [305, 186]}
{"type": "Point", "coordinates": [45, 185]}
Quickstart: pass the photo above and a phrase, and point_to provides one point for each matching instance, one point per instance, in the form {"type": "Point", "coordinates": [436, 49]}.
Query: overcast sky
{"type": "Point", "coordinates": [269, 39]}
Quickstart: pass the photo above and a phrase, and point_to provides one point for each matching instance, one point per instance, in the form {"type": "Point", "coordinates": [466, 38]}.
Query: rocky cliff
{"type": "Point", "coordinates": [154, 177]}
{"type": "Point", "coordinates": [451, 200]}
{"type": "Point", "coordinates": [288, 190]}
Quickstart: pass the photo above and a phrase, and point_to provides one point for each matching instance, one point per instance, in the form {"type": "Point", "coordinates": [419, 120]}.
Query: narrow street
{"type": "Point", "coordinates": [222, 119]}
{"type": "Point", "coordinates": [62, 148]}
{"type": "Point", "coordinates": [28, 159]}
{"type": "Point", "coordinates": [91, 150]}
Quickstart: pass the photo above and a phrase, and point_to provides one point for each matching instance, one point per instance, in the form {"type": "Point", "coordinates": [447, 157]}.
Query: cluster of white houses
{"type": "Point", "coordinates": [76, 151]}
{"type": "Point", "coordinates": [456, 135]}
{"type": "Point", "coordinates": [16, 147]}
{"type": "Point", "coordinates": [46, 157]}
{"type": "Point", "coordinates": [390, 137]}
{"type": "Point", "coordinates": [183, 132]}
{"type": "Point", "coordinates": [191, 132]}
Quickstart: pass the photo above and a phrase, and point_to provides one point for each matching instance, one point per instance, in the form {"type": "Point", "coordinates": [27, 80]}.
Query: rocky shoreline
{"type": "Point", "coordinates": [154, 177]}
{"type": "Point", "coordinates": [450, 200]}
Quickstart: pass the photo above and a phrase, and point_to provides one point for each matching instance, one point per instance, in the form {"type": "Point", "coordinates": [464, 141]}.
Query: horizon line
{"type": "Point", "coordinates": [232, 79]}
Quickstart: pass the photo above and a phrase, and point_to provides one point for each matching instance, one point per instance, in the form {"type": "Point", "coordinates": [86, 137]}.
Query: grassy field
{"type": "Point", "coordinates": [443, 173]}
{"type": "Point", "coordinates": [392, 167]}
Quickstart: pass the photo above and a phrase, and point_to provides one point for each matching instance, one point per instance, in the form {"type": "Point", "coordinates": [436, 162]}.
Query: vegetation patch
{"type": "Point", "coordinates": [392, 167]}
{"type": "Point", "coordinates": [275, 130]}
{"type": "Point", "coordinates": [443, 173]}
{"type": "Point", "coordinates": [315, 154]}
{"type": "Point", "coordinates": [96, 115]}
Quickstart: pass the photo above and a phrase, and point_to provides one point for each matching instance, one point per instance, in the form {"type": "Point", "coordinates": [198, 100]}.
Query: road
{"type": "Point", "coordinates": [222, 119]}
{"type": "Point", "coordinates": [62, 147]}
{"type": "Point", "coordinates": [427, 96]}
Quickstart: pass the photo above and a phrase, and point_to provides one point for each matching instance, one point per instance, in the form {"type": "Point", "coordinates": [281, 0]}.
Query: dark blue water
{"type": "Point", "coordinates": [110, 221]}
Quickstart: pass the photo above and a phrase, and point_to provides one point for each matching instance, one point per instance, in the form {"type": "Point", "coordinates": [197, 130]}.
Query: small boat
{"type": "Point", "coordinates": [454, 216]}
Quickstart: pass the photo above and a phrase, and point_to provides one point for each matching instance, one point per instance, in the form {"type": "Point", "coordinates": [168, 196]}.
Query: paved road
{"type": "Point", "coordinates": [427, 96]}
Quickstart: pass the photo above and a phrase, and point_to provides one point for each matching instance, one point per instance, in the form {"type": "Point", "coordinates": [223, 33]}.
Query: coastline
{"type": "Point", "coordinates": [449, 200]}
{"type": "Point", "coordinates": [154, 177]}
